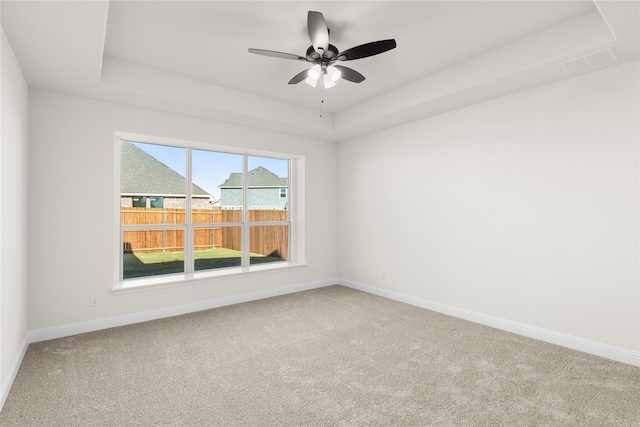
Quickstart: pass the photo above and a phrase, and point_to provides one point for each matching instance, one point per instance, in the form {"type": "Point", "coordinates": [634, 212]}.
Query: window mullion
{"type": "Point", "coordinates": [246, 242]}
{"type": "Point", "coordinates": [121, 254]}
{"type": "Point", "coordinates": [292, 210]}
{"type": "Point", "coordinates": [189, 231]}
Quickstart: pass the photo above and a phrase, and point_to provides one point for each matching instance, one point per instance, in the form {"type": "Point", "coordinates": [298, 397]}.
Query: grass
{"type": "Point", "coordinates": [155, 263]}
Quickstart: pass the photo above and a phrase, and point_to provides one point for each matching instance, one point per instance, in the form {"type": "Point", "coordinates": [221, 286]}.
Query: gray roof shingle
{"type": "Point", "coordinates": [258, 177]}
{"type": "Point", "coordinates": [142, 174]}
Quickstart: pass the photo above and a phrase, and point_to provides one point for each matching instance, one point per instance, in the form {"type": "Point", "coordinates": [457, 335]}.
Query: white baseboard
{"type": "Point", "coordinates": [592, 347]}
{"type": "Point", "coordinates": [143, 316]}
{"type": "Point", "coordinates": [618, 354]}
{"type": "Point", "coordinates": [13, 371]}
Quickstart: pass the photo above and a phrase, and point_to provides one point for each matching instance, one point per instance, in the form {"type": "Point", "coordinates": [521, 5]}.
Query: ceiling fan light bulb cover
{"type": "Point", "coordinates": [333, 73]}
{"type": "Point", "coordinates": [328, 81]}
{"type": "Point", "coordinates": [314, 72]}
{"type": "Point", "coordinates": [311, 82]}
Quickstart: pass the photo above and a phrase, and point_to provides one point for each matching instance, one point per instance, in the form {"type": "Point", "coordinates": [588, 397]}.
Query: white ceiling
{"type": "Point", "coordinates": [190, 57]}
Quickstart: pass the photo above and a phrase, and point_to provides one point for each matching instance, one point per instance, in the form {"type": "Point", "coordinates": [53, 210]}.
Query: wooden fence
{"type": "Point", "coordinates": [269, 240]}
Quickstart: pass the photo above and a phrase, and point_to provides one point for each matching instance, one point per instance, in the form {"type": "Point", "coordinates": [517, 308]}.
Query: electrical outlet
{"type": "Point", "coordinates": [93, 300]}
{"type": "Point", "coordinates": [383, 275]}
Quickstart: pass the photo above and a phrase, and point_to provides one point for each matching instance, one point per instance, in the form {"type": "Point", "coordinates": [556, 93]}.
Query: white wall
{"type": "Point", "coordinates": [13, 215]}
{"type": "Point", "coordinates": [72, 215]}
{"type": "Point", "coordinates": [524, 208]}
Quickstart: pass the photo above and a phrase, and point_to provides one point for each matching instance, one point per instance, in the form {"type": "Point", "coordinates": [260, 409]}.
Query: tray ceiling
{"type": "Point", "coordinates": [191, 57]}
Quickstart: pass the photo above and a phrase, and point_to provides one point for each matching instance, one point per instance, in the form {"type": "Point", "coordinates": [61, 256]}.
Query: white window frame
{"type": "Point", "coordinates": [295, 222]}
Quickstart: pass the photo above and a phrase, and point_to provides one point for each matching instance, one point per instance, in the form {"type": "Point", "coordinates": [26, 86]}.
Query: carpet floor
{"type": "Point", "coordinates": [326, 357]}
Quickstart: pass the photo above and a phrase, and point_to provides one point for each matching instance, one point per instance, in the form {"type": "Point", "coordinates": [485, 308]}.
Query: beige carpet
{"type": "Point", "coordinates": [327, 357]}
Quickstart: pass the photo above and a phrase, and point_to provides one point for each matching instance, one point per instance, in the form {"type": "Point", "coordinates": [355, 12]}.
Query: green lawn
{"type": "Point", "coordinates": [155, 263]}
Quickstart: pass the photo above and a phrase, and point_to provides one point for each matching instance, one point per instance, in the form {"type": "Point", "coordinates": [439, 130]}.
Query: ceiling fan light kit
{"type": "Point", "coordinates": [323, 55]}
{"type": "Point", "coordinates": [330, 76]}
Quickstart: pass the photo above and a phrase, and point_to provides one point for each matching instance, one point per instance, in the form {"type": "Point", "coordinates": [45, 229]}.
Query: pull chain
{"type": "Point", "coordinates": [322, 101]}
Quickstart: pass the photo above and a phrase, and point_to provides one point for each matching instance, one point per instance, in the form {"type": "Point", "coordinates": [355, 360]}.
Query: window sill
{"type": "Point", "coordinates": [171, 280]}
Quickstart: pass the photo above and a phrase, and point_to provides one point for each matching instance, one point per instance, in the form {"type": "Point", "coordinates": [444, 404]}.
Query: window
{"type": "Point", "coordinates": [147, 202]}
{"type": "Point", "coordinates": [200, 223]}
{"type": "Point", "coordinates": [139, 202]}
{"type": "Point", "coordinates": [156, 202]}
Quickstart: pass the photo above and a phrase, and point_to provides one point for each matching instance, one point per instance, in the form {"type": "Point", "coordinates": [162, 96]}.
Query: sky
{"type": "Point", "coordinates": [210, 168]}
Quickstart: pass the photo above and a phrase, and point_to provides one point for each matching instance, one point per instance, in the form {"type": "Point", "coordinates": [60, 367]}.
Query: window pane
{"type": "Point", "coordinates": [152, 252]}
{"type": "Point", "coordinates": [139, 202]}
{"type": "Point", "coordinates": [269, 243]}
{"type": "Point", "coordinates": [217, 247]}
{"type": "Point", "coordinates": [152, 184]}
{"type": "Point", "coordinates": [156, 202]}
{"type": "Point", "coordinates": [268, 183]}
{"type": "Point", "coordinates": [217, 185]}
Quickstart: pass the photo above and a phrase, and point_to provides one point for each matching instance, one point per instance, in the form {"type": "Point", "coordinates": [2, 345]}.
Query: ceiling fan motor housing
{"type": "Point", "coordinates": [329, 55]}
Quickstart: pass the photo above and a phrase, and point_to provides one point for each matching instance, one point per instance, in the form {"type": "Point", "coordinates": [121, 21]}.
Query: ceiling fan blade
{"type": "Point", "coordinates": [318, 31]}
{"type": "Point", "coordinates": [299, 77]}
{"type": "Point", "coordinates": [367, 49]}
{"type": "Point", "coordinates": [349, 74]}
{"type": "Point", "coordinates": [275, 54]}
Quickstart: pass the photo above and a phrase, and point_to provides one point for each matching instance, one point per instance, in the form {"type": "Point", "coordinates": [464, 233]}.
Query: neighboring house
{"type": "Point", "coordinates": [146, 182]}
{"type": "Point", "coordinates": [266, 190]}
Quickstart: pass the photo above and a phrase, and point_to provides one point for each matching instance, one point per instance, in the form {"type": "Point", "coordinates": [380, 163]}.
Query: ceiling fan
{"type": "Point", "coordinates": [324, 55]}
